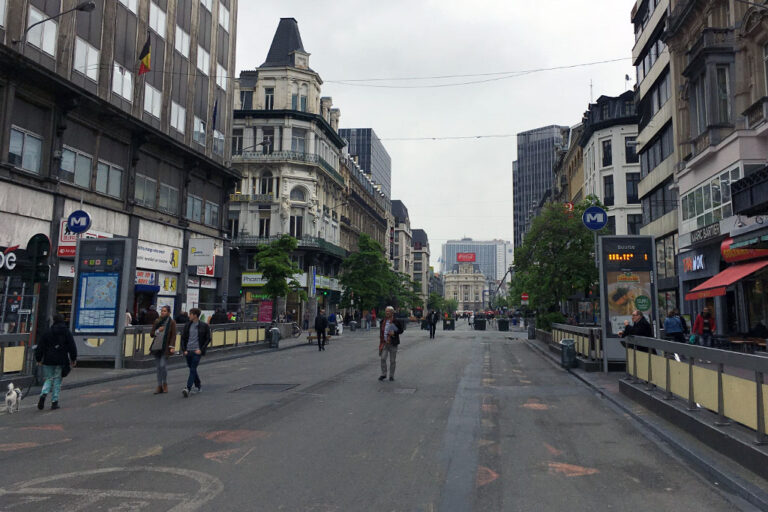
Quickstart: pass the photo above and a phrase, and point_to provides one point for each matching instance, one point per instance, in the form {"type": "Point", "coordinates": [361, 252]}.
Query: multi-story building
{"type": "Point", "coordinates": [435, 283]}
{"type": "Point", "coordinates": [287, 148]}
{"type": "Point", "coordinates": [466, 284]}
{"type": "Point", "coordinates": [656, 107]}
{"type": "Point", "coordinates": [421, 269]}
{"type": "Point", "coordinates": [611, 166]}
{"type": "Point", "coordinates": [402, 239]}
{"type": "Point", "coordinates": [569, 169]}
{"type": "Point", "coordinates": [532, 174]}
{"type": "Point", "coordinates": [365, 145]}
{"type": "Point", "coordinates": [83, 125]}
{"type": "Point", "coordinates": [717, 50]}
{"type": "Point", "coordinates": [365, 208]}
{"type": "Point", "coordinates": [493, 257]}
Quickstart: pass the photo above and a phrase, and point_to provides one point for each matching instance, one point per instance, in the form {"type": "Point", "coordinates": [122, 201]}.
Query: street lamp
{"type": "Point", "coordinates": [86, 6]}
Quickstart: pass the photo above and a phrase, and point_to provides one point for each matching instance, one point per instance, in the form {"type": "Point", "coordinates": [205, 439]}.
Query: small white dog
{"type": "Point", "coordinates": [12, 399]}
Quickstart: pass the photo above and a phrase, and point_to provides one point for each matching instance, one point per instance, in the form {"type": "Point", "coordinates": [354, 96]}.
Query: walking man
{"type": "Point", "coordinates": [321, 324]}
{"type": "Point", "coordinates": [389, 340]}
{"type": "Point", "coordinates": [164, 340]}
{"type": "Point", "coordinates": [432, 319]}
{"type": "Point", "coordinates": [194, 342]}
{"type": "Point", "coordinates": [55, 352]}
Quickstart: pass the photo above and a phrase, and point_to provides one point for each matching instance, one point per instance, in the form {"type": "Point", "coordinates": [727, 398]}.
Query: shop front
{"type": "Point", "coordinates": [696, 267]}
{"type": "Point", "coordinates": [18, 291]}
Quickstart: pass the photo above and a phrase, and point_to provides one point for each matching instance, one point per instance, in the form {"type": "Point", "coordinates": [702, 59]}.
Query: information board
{"type": "Point", "coordinates": [99, 279]}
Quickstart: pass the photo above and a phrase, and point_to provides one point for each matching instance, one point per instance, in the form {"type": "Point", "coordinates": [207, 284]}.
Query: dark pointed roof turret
{"type": "Point", "coordinates": [287, 40]}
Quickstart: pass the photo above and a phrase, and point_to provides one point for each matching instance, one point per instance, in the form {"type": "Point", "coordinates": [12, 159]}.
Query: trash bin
{"type": "Point", "coordinates": [503, 324]}
{"type": "Point", "coordinates": [274, 337]}
{"type": "Point", "coordinates": [531, 332]}
{"type": "Point", "coordinates": [424, 325]}
{"type": "Point", "coordinates": [568, 354]}
{"type": "Point", "coordinates": [353, 325]}
{"type": "Point", "coordinates": [449, 325]}
{"type": "Point", "coordinates": [479, 324]}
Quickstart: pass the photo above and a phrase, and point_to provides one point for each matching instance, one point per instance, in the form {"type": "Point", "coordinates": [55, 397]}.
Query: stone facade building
{"type": "Point", "coordinates": [569, 168]}
{"type": "Point", "coordinates": [465, 284]}
{"type": "Point", "coordinates": [421, 268]}
{"type": "Point", "coordinates": [365, 209]}
{"type": "Point", "coordinates": [403, 239]}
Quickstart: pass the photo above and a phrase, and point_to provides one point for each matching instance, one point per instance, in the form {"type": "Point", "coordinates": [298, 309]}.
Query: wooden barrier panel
{"type": "Point", "coordinates": [739, 399]}
{"type": "Point", "coordinates": [231, 338]}
{"type": "Point", "coordinates": [13, 359]}
{"type": "Point", "coordinates": [659, 371]}
{"type": "Point", "coordinates": [678, 377]}
{"type": "Point", "coordinates": [128, 344]}
{"type": "Point", "coordinates": [218, 339]}
{"type": "Point", "coordinates": [705, 388]}
{"type": "Point", "coordinates": [642, 365]}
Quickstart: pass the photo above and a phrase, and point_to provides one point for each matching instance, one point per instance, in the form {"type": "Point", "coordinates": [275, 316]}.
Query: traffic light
{"type": "Point", "coordinates": [38, 251]}
{"type": "Point", "coordinates": [325, 292]}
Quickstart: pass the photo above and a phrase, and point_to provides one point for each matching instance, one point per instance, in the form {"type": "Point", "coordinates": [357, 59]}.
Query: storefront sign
{"type": "Point", "coordinates": [193, 297]}
{"type": "Point", "coordinates": [206, 282]}
{"type": "Point", "coordinates": [68, 239]}
{"type": "Point", "coordinates": [252, 279]}
{"type": "Point", "coordinates": [733, 255]}
{"type": "Point", "coordinates": [66, 270]}
{"type": "Point", "coordinates": [207, 270]}
{"type": "Point", "coordinates": [465, 257]}
{"type": "Point", "coordinates": [193, 282]}
{"type": "Point", "coordinates": [8, 258]}
{"type": "Point", "coordinates": [201, 251]}
{"type": "Point", "coordinates": [145, 277]}
{"type": "Point", "coordinates": [168, 284]}
{"type": "Point", "coordinates": [705, 233]}
{"type": "Point", "coordinates": [693, 263]}
{"type": "Point", "coordinates": [158, 257]}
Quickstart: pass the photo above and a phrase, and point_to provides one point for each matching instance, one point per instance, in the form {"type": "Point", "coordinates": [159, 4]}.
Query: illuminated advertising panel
{"type": "Point", "coordinates": [465, 257]}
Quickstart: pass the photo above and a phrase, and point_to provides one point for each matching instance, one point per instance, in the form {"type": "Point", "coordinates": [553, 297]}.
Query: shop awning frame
{"type": "Point", "coordinates": [717, 286]}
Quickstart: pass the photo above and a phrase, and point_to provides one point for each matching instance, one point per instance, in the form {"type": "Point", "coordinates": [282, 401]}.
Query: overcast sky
{"type": "Point", "coordinates": [453, 188]}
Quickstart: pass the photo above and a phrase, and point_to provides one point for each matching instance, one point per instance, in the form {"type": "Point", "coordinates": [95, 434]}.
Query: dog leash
{"type": "Point", "coordinates": [31, 382]}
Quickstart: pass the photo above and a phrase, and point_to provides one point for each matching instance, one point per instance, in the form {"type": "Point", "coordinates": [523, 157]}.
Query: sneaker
{"type": "Point", "coordinates": [382, 377]}
{"type": "Point", "coordinates": [198, 389]}
{"type": "Point", "coordinates": [185, 392]}
{"type": "Point", "coordinates": [391, 379]}
{"type": "Point", "coordinates": [54, 406]}
{"type": "Point", "coordinates": [41, 402]}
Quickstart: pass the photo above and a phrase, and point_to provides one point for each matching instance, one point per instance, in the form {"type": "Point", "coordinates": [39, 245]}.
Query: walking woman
{"type": "Point", "coordinates": [55, 352]}
{"type": "Point", "coordinates": [704, 327]}
{"type": "Point", "coordinates": [164, 334]}
{"type": "Point", "coordinates": [194, 340]}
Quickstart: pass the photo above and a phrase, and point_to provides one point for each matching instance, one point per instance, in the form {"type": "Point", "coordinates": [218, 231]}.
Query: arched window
{"type": "Point", "coordinates": [298, 194]}
{"type": "Point", "coordinates": [265, 183]}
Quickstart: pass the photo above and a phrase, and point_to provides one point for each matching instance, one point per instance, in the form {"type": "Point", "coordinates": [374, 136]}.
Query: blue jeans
{"type": "Point", "coordinates": [705, 339]}
{"type": "Point", "coordinates": [52, 376]}
{"type": "Point", "coordinates": [161, 363]}
{"type": "Point", "coordinates": [192, 361]}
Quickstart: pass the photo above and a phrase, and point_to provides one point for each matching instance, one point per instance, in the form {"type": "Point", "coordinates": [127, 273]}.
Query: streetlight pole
{"type": "Point", "coordinates": [86, 6]}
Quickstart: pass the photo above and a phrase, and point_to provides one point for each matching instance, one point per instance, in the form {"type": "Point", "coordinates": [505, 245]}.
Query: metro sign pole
{"type": "Point", "coordinates": [595, 219]}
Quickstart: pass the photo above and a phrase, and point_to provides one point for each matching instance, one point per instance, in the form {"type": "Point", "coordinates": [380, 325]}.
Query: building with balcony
{"type": "Point", "coordinates": [402, 239]}
{"type": "Point", "coordinates": [718, 63]}
{"type": "Point", "coordinates": [466, 284]}
{"type": "Point", "coordinates": [286, 146]}
{"type": "Point", "coordinates": [143, 155]}
{"type": "Point", "coordinates": [611, 166]}
{"type": "Point", "coordinates": [364, 209]}
{"type": "Point", "coordinates": [569, 168]}
{"type": "Point", "coordinates": [421, 268]}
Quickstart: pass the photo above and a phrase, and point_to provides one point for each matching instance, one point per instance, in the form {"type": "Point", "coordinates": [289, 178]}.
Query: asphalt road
{"type": "Point", "coordinates": [474, 422]}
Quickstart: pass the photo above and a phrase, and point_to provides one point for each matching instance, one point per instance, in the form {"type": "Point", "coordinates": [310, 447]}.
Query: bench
{"type": "Point", "coordinates": [312, 337]}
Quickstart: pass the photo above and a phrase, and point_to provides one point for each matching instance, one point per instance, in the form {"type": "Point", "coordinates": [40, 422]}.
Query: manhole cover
{"type": "Point", "coordinates": [266, 388]}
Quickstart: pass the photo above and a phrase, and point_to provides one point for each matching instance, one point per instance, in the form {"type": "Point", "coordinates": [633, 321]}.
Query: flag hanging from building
{"type": "Point", "coordinates": [145, 58]}
{"type": "Point", "coordinates": [215, 111]}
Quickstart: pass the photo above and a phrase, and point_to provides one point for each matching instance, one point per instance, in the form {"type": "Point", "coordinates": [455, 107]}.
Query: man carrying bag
{"type": "Point", "coordinates": [164, 340]}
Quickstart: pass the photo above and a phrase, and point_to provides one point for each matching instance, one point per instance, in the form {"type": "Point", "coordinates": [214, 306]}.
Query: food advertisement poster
{"type": "Point", "coordinates": [626, 292]}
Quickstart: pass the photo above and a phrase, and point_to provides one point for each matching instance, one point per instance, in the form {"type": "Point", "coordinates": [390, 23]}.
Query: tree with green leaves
{"type": "Point", "coordinates": [450, 306]}
{"type": "Point", "coordinates": [435, 301]}
{"type": "Point", "coordinates": [556, 259]}
{"type": "Point", "coordinates": [366, 275]}
{"type": "Point", "coordinates": [274, 263]}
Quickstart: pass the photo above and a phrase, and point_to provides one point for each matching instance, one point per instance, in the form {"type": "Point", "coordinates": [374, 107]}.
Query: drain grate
{"type": "Point", "coordinates": [266, 388]}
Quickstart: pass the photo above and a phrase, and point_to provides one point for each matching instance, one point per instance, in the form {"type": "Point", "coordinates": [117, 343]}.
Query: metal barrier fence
{"type": "Point", "coordinates": [14, 354]}
{"type": "Point", "coordinates": [588, 340]}
{"type": "Point", "coordinates": [733, 396]}
{"type": "Point", "coordinates": [136, 339]}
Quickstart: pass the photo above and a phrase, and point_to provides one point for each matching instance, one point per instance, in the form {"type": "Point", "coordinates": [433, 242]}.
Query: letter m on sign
{"type": "Point", "coordinates": [78, 221]}
{"type": "Point", "coordinates": [595, 217]}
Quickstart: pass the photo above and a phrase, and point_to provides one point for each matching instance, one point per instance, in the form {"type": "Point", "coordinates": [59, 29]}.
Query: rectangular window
{"type": "Point", "coordinates": [633, 179]}
{"type": "Point", "coordinates": [169, 199]}
{"type": "Point", "coordinates": [198, 135]}
{"type": "Point", "coordinates": [218, 142]}
{"type": "Point", "coordinates": [608, 190]}
{"type": "Point", "coordinates": [264, 227]}
{"type": "Point", "coordinates": [661, 260]}
{"type": "Point", "coordinates": [109, 180]}
{"type": "Point", "coordinates": [246, 100]}
{"type": "Point", "coordinates": [634, 222]}
{"type": "Point", "coordinates": [607, 154]}
{"type": "Point", "coordinates": [25, 150]}
{"type": "Point", "coordinates": [237, 141]}
{"type": "Point", "coordinates": [765, 66]}
{"type": "Point", "coordinates": [224, 17]}
{"type": "Point", "coordinates": [130, 4]}
{"type": "Point", "coordinates": [194, 209]}
{"type": "Point", "coordinates": [611, 225]}
{"type": "Point", "coordinates": [297, 222]}
{"type": "Point", "coordinates": [303, 103]}
{"type": "Point", "coordinates": [298, 138]}
{"type": "Point", "coordinates": [208, 4]}
{"type": "Point", "coordinates": [86, 59]}
{"type": "Point", "coordinates": [153, 100]}
{"type": "Point", "coordinates": [268, 134]}
{"type": "Point", "coordinates": [211, 214]}
{"type": "Point", "coordinates": [43, 36]}
{"type": "Point", "coordinates": [122, 82]}
{"type": "Point", "coordinates": [203, 60]}
{"type": "Point", "coordinates": [221, 76]}
{"type": "Point", "coordinates": [2, 13]}
{"type": "Point", "coordinates": [294, 102]}
{"type": "Point", "coordinates": [723, 95]}
{"type": "Point", "coordinates": [630, 153]}
{"type": "Point", "coordinates": [76, 168]}
{"type": "Point", "coordinates": [182, 42]}
{"type": "Point", "coordinates": [146, 191]}
{"type": "Point", "coordinates": [178, 117]}
{"type": "Point", "coordinates": [269, 98]}
{"type": "Point", "coordinates": [157, 19]}
{"type": "Point", "coordinates": [699, 107]}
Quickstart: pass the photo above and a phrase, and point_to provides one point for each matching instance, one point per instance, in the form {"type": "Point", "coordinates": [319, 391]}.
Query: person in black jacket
{"type": "Point", "coordinates": [432, 319]}
{"type": "Point", "coordinates": [194, 341]}
{"type": "Point", "coordinates": [321, 324]}
{"type": "Point", "coordinates": [55, 351]}
{"type": "Point", "coordinates": [639, 327]}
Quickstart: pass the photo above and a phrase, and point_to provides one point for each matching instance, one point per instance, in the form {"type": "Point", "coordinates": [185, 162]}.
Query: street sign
{"type": "Point", "coordinates": [524, 299]}
{"type": "Point", "coordinates": [594, 218]}
{"type": "Point", "coordinates": [524, 296]}
{"type": "Point", "coordinates": [79, 221]}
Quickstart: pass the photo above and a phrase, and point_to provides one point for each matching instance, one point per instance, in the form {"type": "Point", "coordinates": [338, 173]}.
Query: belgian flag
{"type": "Point", "coordinates": [145, 58]}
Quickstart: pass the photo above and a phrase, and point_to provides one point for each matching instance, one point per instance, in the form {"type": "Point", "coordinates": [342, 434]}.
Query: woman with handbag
{"type": "Point", "coordinates": [55, 352]}
{"type": "Point", "coordinates": [164, 340]}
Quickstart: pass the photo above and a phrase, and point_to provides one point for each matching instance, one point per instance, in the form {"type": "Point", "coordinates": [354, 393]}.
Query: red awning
{"type": "Point", "coordinates": [716, 286]}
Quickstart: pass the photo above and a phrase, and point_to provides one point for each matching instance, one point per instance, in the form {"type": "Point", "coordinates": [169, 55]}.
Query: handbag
{"type": "Point", "coordinates": [692, 339]}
